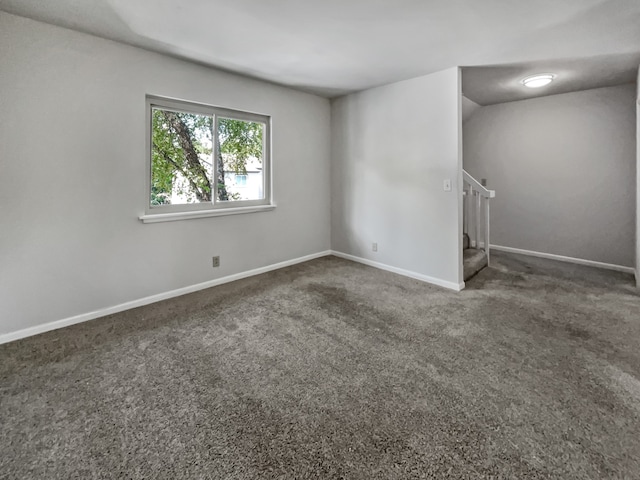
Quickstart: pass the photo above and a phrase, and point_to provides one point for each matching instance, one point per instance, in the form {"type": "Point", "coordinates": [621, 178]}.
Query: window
{"type": "Point", "coordinates": [241, 180]}
{"type": "Point", "coordinates": [205, 158]}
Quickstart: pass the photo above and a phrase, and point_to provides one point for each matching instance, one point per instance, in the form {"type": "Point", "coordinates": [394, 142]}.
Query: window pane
{"type": "Point", "coordinates": [240, 168]}
{"type": "Point", "coordinates": [181, 157]}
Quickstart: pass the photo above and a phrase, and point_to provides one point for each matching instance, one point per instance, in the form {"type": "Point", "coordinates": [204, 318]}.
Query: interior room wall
{"type": "Point", "coordinates": [392, 148]}
{"type": "Point", "coordinates": [638, 180]}
{"type": "Point", "coordinates": [468, 108]}
{"type": "Point", "coordinates": [563, 168]}
{"type": "Point", "coordinates": [72, 177]}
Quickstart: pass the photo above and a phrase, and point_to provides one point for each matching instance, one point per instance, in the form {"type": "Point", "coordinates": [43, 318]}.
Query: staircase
{"type": "Point", "coordinates": [475, 240]}
{"type": "Point", "coordinates": [474, 259]}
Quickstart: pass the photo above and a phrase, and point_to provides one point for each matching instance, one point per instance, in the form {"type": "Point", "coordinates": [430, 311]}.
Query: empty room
{"type": "Point", "coordinates": [319, 240]}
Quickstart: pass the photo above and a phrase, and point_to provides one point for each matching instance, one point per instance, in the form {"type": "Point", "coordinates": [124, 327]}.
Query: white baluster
{"type": "Point", "coordinates": [486, 228]}
{"type": "Point", "coordinates": [477, 217]}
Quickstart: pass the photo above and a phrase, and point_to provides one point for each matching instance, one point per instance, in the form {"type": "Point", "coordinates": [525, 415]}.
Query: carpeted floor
{"type": "Point", "coordinates": [331, 369]}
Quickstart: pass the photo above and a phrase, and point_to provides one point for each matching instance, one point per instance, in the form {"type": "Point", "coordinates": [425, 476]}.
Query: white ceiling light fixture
{"type": "Point", "coordinates": [538, 80]}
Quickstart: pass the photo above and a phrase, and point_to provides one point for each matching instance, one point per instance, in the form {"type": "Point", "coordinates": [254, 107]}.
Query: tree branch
{"type": "Point", "coordinates": [191, 155]}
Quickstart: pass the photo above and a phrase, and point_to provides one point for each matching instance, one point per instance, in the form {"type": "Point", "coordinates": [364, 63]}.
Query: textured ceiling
{"type": "Point", "coordinates": [332, 47]}
{"type": "Point", "coordinates": [501, 83]}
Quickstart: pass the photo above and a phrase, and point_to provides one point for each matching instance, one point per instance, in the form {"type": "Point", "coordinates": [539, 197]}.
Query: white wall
{"type": "Point", "coordinates": [563, 168]}
{"type": "Point", "coordinates": [638, 180]}
{"type": "Point", "coordinates": [392, 147]}
{"type": "Point", "coordinates": [468, 108]}
{"type": "Point", "coordinates": [72, 176]}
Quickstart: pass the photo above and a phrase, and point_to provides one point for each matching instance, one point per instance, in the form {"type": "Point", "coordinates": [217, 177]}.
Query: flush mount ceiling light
{"type": "Point", "coordinates": [538, 80]}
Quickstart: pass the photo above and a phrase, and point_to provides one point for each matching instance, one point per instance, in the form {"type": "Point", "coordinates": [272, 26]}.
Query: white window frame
{"type": "Point", "coordinates": [163, 213]}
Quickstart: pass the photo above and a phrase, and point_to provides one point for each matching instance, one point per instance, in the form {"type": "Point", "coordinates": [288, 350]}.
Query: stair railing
{"type": "Point", "coordinates": [476, 198]}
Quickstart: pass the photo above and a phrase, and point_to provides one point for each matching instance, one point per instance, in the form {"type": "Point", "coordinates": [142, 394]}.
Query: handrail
{"type": "Point", "coordinates": [476, 212]}
{"type": "Point", "coordinates": [476, 185]}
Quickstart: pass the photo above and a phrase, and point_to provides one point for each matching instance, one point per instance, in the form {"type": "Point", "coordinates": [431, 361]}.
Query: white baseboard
{"type": "Point", "coordinates": [561, 258]}
{"type": "Point", "coordinates": [28, 332]}
{"type": "Point", "coordinates": [400, 271]}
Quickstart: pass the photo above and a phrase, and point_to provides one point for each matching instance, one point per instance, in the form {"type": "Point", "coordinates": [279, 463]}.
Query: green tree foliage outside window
{"type": "Point", "coordinates": [183, 150]}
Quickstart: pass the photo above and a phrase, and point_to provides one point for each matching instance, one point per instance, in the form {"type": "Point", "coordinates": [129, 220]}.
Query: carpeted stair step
{"type": "Point", "coordinates": [474, 261]}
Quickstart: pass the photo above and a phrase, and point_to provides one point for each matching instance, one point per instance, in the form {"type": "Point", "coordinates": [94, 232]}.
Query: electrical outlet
{"type": "Point", "coordinates": [216, 261]}
{"type": "Point", "coordinates": [374, 247]}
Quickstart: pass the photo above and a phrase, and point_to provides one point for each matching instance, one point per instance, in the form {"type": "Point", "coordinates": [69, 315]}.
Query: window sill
{"type": "Point", "coordinates": [174, 216]}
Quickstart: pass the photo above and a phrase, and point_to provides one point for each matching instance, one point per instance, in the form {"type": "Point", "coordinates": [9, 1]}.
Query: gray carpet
{"type": "Point", "coordinates": [331, 369]}
{"type": "Point", "coordinates": [474, 260]}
